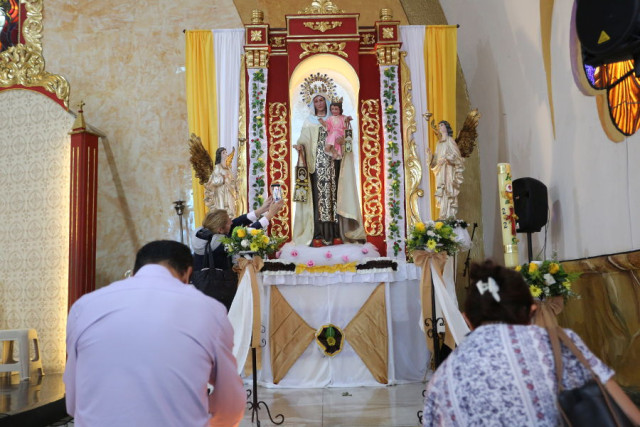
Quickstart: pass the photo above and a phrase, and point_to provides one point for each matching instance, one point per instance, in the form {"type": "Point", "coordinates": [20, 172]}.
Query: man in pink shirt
{"type": "Point", "coordinates": [142, 350]}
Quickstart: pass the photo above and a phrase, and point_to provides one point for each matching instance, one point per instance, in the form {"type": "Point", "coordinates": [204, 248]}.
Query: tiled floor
{"type": "Point", "coordinates": [334, 407]}
{"type": "Point", "coordinates": [359, 406]}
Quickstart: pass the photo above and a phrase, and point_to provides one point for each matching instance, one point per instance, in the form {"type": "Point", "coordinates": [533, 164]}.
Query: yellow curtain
{"type": "Point", "coordinates": [440, 59]}
{"type": "Point", "coordinates": [201, 102]}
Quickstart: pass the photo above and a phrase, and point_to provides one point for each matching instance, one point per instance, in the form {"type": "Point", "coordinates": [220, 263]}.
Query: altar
{"type": "Point", "coordinates": [339, 298]}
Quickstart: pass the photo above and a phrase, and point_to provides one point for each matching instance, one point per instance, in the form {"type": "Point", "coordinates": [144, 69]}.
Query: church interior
{"type": "Point", "coordinates": [97, 109]}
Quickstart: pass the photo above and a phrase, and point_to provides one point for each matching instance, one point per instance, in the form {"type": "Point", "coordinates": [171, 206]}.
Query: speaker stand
{"type": "Point", "coordinates": [529, 247]}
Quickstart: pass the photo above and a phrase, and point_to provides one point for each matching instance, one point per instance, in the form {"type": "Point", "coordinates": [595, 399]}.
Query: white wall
{"type": "Point", "coordinates": [593, 188]}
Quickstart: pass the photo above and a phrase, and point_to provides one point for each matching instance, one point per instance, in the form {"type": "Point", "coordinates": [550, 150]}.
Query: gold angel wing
{"type": "Point", "coordinates": [229, 158]}
{"type": "Point", "coordinates": [200, 159]}
{"type": "Point", "coordinates": [468, 135]}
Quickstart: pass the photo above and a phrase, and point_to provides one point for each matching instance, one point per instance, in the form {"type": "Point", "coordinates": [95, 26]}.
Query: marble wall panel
{"type": "Point", "coordinates": [125, 61]}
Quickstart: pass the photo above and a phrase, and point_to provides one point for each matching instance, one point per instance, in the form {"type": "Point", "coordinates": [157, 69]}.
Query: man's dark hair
{"type": "Point", "coordinates": [175, 254]}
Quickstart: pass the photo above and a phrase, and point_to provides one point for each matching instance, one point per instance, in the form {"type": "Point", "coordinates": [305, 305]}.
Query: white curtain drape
{"type": "Point", "coordinates": [412, 37]}
{"type": "Point", "coordinates": [228, 48]}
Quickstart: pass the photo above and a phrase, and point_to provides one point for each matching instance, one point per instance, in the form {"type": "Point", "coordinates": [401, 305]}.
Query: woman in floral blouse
{"type": "Point", "coordinates": [503, 372]}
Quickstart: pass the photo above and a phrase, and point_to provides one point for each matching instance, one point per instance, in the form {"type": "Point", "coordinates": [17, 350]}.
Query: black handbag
{"type": "Point", "coordinates": [589, 404]}
{"type": "Point", "coordinates": [214, 282]}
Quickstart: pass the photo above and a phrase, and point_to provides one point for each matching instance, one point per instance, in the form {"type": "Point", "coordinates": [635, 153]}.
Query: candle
{"type": "Point", "coordinates": [507, 215]}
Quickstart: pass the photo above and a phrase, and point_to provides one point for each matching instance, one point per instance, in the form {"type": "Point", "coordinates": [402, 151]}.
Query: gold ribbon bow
{"type": "Point", "coordinates": [252, 266]}
{"type": "Point", "coordinates": [423, 259]}
{"type": "Point", "coordinates": [547, 310]}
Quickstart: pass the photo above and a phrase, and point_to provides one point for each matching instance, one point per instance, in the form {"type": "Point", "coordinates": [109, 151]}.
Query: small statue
{"type": "Point", "coordinates": [220, 191]}
{"type": "Point", "coordinates": [447, 164]}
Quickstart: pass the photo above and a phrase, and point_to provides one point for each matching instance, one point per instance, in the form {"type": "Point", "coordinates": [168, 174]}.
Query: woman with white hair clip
{"type": "Point", "coordinates": [503, 373]}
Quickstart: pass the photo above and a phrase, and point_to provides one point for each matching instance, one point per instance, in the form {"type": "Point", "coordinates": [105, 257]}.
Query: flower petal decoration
{"type": "Point", "coordinates": [328, 255]}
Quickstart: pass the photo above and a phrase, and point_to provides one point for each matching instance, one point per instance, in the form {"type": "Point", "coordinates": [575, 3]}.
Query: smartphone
{"type": "Point", "coordinates": [276, 192]}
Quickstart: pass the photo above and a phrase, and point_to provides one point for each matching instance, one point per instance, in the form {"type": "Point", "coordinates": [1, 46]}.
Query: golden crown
{"type": "Point", "coordinates": [318, 84]}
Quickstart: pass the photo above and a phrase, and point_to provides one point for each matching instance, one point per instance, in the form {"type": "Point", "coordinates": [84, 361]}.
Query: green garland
{"type": "Point", "coordinates": [257, 133]}
{"type": "Point", "coordinates": [393, 149]}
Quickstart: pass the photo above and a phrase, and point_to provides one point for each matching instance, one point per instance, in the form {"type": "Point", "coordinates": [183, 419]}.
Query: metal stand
{"type": "Point", "coordinates": [529, 246]}
{"type": "Point", "coordinates": [179, 206]}
{"type": "Point", "coordinates": [252, 397]}
{"type": "Point", "coordinates": [467, 262]}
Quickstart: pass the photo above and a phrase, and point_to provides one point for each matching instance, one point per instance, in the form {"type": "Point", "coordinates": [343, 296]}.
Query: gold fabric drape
{"type": "Point", "coordinates": [201, 102]}
{"type": "Point", "coordinates": [423, 259]}
{"type": "Point", "coordinates": [368, 335]}
{"type": "Point", "coordinates": [289, 335]}
{"type": "Point", "coordinates": [441, 60]}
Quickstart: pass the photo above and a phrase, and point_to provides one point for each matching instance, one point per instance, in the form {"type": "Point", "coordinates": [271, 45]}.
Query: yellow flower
{"type": "Point", "coordinates": [420, 227]}
{"type": "Point", "coordinates": [518, 267]}
{"type": "Point", "coordinates": [241, 233]}
{"type": "Point", "coordinates": [254, 247]}
{"type": "Point", "coordinates": [567, 285]}
{"type": "Point", "coordinates": [265, 239]}
{"type": "Point", "coordinates": [254, 231]}
{"type": "Point", "coordinates": [331, 341]}
{"type": "Point", "coordinates": [439, 225]}
{"type": "Point", "coordinates": [535, 291]}
{"type": "Point", "coordinates": [431, 244]}
{"type": "Point", "coordinates": [533, 268]}
{"type": "Point", "coordinates": [554, 268]}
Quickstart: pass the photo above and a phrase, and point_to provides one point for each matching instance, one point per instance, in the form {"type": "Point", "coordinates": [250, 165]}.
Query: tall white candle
{"type": "Point", "coordinates": [507, 215]}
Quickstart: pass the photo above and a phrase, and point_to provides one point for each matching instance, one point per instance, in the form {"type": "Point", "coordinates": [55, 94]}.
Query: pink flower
{"type": "Point", "coordinates": [294, 253]}
{"type": "Point", "coordinates": [328, 254]}
{"type": "Point", "coordinates": [365, 251]}
{"type": "Point", "coordinates": [310, 263]}
{"type": "Point", "coordinates": [345, 258]}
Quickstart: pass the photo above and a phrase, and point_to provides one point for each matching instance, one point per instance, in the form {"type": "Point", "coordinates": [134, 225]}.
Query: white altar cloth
{"type": "Point", "coordinates": [335, 298]}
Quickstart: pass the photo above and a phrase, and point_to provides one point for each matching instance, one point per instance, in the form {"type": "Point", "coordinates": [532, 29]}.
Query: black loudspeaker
{"type": "Point", "coordinates": [530, 203]}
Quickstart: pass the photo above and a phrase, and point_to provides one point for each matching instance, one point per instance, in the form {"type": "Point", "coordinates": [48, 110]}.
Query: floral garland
{"type": "Point", "coordinates": [257, 139]}
{"type": "Point", "coordinates": [393, 160]}
{"type": "Point", "coordinates": [285, 268]}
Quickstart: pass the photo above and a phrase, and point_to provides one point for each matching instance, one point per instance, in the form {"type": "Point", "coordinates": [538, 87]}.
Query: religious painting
{"type": "Point", "coordinates": [12, 15]}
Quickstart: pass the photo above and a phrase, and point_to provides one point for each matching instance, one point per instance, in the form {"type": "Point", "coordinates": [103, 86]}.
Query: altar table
{"type": "Point", "coordinates": [335, 298]}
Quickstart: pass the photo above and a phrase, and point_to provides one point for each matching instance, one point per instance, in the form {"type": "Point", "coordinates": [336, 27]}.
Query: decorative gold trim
{"type": "Point", "coordinates": [321, 7]}
{"type": "Point", "coordinates": [242, 204]}
{"type": "Point", "coordinates": [256, 35]}
{"type": "Point", "coordinates": [257, 16]}
{"type": "Point", "coordinates": [279, 168]}
{"type": "Point", "coordinates": [412, 166]}
{"type": "Point", "coordinates": [319, 47]}
{"type": "Point", "coordinates": [371, 167]}
{"type": "Point", "coordinates": [278, 41]}
{"type": "Point", "coordinates": [323, 26]}
{"type": "Point", "coordinates": [23, 64]}
{"type": "Point", "coordinates": [387, 33]}
{"type": "Point", "coordinates": [368, 39]}
{"type": "Point", "coordinates": [257, 58]}
{"type": "Point", "coordinates": [386, 14]}
{"type": "Point", "coordinates": [388, 54]}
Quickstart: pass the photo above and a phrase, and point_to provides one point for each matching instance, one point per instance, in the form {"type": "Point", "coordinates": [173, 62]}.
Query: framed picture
{"type": "Point", "coordinates": [12, 16]}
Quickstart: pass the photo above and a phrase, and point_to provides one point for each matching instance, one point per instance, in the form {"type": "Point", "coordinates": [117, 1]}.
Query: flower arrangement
{"type": "Point", "coordinates": [548, 279]}
{"type": "Point", "coordinates": [435, 236]}
{"type": "Point", "coordinates": [248, 239]}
